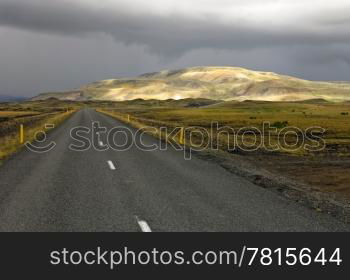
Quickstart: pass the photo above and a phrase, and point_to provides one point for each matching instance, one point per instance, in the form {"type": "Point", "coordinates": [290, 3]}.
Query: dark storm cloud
{"type": "Point", "coordinates": [324, 55]}
{"type": "Point", "coordinates": [61, 44]}
{"type": "Point", "coordinates": [165, 34]}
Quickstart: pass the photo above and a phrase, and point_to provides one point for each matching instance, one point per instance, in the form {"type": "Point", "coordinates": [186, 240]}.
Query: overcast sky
{"type": "Point", "coordinates": [61, 44]}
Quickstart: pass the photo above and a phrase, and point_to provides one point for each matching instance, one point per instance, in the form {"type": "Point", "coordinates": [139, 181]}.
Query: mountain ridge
{"type": "Point", "coordinates": [10, 98]}
{"type": "Point", "coordinates": [214, 82]}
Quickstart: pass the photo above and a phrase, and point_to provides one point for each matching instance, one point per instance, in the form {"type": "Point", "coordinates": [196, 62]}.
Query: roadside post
{"type": "Point", "coordinates": [21, 134]}
{"type": "Point", "coordinates": [182, 136]}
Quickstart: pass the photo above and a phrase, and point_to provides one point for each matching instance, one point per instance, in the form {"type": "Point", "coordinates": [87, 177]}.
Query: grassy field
{"type": "Point", "coordinates": [15, 114]}
{"type": "Point", "coordinates": [33, 116]}
{"type": "Point", "coordinates": [241, 116]}
{"type": "Point", "coordinates": [327, 170]}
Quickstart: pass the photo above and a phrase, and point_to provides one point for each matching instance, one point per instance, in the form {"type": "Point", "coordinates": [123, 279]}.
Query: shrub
{"type": "Point", "coordinates": [280, 124]}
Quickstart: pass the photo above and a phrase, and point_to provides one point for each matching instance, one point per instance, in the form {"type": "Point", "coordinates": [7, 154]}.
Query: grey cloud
{"type": "Point", "coordinates": [31, 63]}
{"type": "Point", "coordinates": [170, 35]}
{"type": "Point", "coordinates": [61, 44]}
{"type": "Point", "coordinates": [325, 55]}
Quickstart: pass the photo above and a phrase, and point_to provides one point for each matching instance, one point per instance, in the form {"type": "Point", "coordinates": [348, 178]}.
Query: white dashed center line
{"type": "Point", "coordinates": [143, 225]}
{"type": "Point", "coordinates": [111, 165]}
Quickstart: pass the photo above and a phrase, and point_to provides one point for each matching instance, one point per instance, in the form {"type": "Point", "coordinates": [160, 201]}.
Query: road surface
{"type": "Point", "coordinates": [134, 190]}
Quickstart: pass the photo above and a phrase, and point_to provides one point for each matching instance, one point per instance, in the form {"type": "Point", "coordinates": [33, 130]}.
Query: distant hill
{"type": "Point", "coordinates": [219, 83]}
{"type": "Point", "coordinates": [9, 98]}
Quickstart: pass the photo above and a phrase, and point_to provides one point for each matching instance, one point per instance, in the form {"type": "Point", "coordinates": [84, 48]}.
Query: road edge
{"type": "Point", "coordinates": [303, 194]}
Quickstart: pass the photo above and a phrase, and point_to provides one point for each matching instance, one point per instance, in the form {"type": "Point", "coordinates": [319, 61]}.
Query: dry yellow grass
{"type": "Point", "coordinates": [327, 171]}
{"type": "Point", "coordinates": [10, 143]}
{"type": "Point", "coordinates": [333, 117]}
{"type": "Point", "coordinates": [17, 113]}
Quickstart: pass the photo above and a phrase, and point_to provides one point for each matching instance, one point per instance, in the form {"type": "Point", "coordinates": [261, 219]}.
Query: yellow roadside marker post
{"type": "Point", "coordinates": [21, 134]}
{"type": "Point", "coordinates": [128, 118]}
{"type": "Point", "coordinates": [182, 136]}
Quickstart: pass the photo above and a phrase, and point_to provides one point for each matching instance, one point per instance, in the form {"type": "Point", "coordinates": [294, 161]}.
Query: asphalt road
{"type": "Point", "coordinates": [134, 190]}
